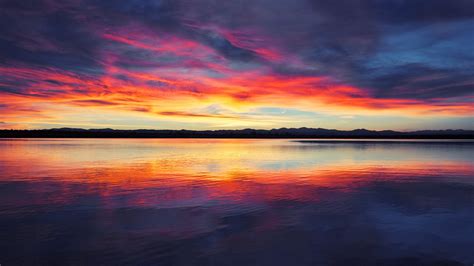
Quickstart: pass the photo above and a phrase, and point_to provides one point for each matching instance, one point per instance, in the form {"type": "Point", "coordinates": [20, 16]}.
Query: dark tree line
{"type": "Point", "coordinates": [243, 133]}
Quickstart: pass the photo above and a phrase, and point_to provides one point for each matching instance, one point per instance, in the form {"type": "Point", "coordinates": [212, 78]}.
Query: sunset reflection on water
{"type": "Point", "coordinates": [235, 202]}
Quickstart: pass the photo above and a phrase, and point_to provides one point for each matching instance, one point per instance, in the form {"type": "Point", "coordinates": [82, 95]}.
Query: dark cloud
{"type": "Point", "coordinates": [94, 102]}
{"type": "Point", "coordinates": [222, 45]}
{"type": "Point", "coordinates": [188, 114]}
{"type": "Point", "coordinates": [415, 81]}
{"type": "Point", "coordinates": [408, 11]}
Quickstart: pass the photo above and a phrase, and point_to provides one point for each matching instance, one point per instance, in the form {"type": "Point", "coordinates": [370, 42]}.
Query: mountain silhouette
{"type": "Point", "coordinates": [237, 133]}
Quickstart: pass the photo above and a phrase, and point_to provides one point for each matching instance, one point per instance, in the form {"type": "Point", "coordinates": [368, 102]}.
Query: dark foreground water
{"type": "Point", "coordinates": [235, 202]}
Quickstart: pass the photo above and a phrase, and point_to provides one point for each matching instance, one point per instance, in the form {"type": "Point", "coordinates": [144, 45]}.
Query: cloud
{"type": "Point", "coordinates": [187, 114]}
{"type": "Point", "coordinates": [175, 58]}
{"type": "Point", "coordinates": [94, 102]}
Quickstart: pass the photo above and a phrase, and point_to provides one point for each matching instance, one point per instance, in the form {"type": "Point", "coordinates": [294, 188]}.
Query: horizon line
{"type": "Point", "coordinates": [236, 129]}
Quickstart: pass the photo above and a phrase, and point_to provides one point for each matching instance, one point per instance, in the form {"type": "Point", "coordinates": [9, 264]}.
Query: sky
{"type": "Point", "coordinates": [214, 64]}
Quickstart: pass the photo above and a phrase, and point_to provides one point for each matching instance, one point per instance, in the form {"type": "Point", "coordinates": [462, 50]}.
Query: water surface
{"type": "Point", "coordinates": [235, 202]}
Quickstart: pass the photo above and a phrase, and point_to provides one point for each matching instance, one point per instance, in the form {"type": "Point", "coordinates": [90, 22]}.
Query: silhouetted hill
{"type": "Point", "coordinates": [240, 133]}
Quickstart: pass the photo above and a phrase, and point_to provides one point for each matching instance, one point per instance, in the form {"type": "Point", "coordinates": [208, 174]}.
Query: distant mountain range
{"type": "Point", "coordinates": [238, 133]}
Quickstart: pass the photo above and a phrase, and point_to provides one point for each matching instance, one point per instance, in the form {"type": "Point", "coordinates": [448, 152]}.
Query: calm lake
{"type": "Point", "coordinates": [235, 202]}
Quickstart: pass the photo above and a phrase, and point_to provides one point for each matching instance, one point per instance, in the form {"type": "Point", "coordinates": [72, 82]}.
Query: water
{"type": "Point", "coordinates": [235, 202]}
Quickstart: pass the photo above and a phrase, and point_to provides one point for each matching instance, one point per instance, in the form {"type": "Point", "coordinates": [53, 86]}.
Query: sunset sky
{"type": "Point", "coordinates": [225, 64]}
